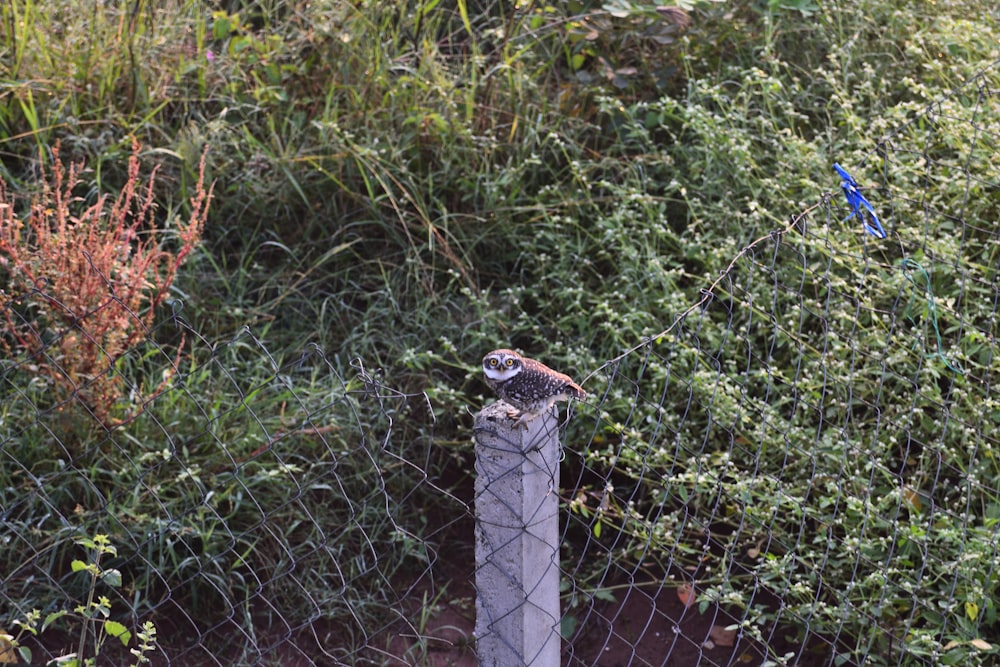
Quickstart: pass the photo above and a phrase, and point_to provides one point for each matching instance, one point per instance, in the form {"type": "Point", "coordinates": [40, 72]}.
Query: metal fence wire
{"type": "Point", "coordinates": [802, 468]}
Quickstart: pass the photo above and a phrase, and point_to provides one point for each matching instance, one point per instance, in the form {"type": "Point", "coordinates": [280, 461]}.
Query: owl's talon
{"type": "Point", "coordinates": [519, 417]}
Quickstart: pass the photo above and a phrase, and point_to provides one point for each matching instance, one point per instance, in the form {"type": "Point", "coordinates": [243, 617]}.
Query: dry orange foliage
{"type": "Point", "coordinates": [83, 281]}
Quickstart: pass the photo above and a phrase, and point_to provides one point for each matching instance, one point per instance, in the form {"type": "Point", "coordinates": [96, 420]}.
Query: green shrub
{"type": "Point", "coordinates": [405, 187]}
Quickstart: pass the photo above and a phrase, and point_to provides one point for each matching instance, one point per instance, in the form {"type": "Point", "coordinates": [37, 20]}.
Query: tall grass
{"type": "Point", "coordinates": [405, 186]}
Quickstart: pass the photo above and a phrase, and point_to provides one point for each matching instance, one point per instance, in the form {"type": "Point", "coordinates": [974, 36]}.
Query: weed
{"type": "Point", "coordinates": [93, 615]}
{"type": "Point", "coordinates": [85, 280]}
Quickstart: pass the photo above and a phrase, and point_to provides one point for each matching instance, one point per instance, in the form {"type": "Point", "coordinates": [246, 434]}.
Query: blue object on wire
{"type": "Point", "coordinates": [860, 206]}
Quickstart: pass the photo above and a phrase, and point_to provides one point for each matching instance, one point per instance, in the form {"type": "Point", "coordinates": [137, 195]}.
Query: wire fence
{"type": "Point", "coordinates": [802, 468]}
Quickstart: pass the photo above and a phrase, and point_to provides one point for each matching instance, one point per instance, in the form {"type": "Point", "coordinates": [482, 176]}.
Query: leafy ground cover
{"type": "Point", "coordinates": [398, 188]}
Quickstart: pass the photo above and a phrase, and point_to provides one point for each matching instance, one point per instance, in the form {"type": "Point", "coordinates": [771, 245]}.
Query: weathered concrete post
{"type": "Point", "coordinates": [517, 540]}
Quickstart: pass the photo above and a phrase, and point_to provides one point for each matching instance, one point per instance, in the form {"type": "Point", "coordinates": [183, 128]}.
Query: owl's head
{"type": "Point", "coordinates": [502, 365]}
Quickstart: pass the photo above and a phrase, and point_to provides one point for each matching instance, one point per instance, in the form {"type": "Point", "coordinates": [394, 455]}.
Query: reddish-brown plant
{"type": "Point", "coordinates": [83, 282]}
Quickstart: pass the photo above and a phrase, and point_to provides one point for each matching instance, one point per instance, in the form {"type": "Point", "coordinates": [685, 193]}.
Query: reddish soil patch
{"type": "Point", "coordinates": [637, 630]}
{"type": "Point", "coordinates": [446, 638]}
{"type": "Point", "coordinates": [642, 629]}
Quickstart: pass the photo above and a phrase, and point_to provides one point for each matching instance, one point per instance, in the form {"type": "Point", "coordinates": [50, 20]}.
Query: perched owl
{"type": "Point", "coordinates": [529, 385]}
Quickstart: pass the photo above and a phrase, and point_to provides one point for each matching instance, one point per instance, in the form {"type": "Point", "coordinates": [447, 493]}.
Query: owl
{"type": "Point", "coordinates": [528, 385]}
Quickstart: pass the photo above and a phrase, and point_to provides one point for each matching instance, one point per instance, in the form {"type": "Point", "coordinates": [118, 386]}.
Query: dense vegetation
{"type": "Point", "coordinates": [399, 187]}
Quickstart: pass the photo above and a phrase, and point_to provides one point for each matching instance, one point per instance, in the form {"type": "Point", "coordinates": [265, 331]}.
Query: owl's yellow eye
{"type": "Point", "coordinates": [510, 362]}
{"type": "Point", "coordinates": [493, 362]}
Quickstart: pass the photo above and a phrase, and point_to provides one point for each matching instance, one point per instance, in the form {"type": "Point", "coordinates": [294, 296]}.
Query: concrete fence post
{"type": "Point", "coordinates": [517, 540]}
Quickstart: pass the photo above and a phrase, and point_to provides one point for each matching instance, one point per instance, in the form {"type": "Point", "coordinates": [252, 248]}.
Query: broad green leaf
{"type": "Point", "coordinates": [116, 629]}
{"type": "Point", "coordinates": [52, 618]}
{"type": "Point", "coordinates": [112, 578]}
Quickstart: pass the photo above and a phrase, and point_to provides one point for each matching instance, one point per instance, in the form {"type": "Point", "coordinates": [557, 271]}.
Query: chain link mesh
{"type": "Point", "coordinates": [800, 469]}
